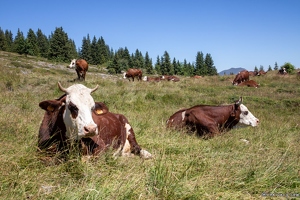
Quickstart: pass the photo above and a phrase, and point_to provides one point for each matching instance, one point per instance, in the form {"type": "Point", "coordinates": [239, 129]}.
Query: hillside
{"type": "Point", "coordinates": [243, 163]}
{"type": "Point", "coordinates": [231, 71]}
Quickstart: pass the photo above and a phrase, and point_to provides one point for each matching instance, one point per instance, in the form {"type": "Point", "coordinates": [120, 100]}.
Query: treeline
{"type": "Point", "coordinates": [59, 47]}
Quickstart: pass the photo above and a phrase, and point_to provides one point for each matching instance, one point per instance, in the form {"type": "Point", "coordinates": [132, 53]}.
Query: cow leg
{"type": "Point", "coordinates": [78, 74]}
{"type": "Point", "coordinates": [83, 75]}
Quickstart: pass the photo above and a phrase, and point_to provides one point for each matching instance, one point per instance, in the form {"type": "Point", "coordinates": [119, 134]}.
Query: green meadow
{"type": "Point", "coordinates": [246, 163]}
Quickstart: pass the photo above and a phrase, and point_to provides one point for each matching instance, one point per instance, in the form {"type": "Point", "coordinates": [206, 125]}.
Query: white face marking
{"type": "Point", "coordinates": [78, 127]}
{"type": "Point", "coordinates": [182, 115]}
{"type": "Point", "coordinates": [124, 75]}
{"type": "Point", "coordinates": [72, 64]}
{"type": "Point", "coordinates": [145, 78]}
{"type": "Point", "coordinates": [247, 118]}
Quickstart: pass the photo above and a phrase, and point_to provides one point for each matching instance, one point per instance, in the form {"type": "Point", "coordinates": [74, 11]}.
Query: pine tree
{"type": "Point", "coordinates": [275, 66]}
{"type": "Point", "coordinates": [103, 51]}
{"type": "Point", "coordinates": [166, 66]}
{"type": "Point", "coordinates": [270, 68]}
{"type": "Point", "coordinates": [3, 42]}
{"type": "Point", "coordinates": [59, 49]}
{"type": "Point", "coordinates": [9, 40]}
{"type": "Point", "coordinates": [158, 65]}
{"type": "Point", "coordinates": [209, 63]}
{"type": "Point", "coordinates": [19, 45]}
{"type": "Point", "coordinates": [31, 40]}
{"type": "Point", "coordinates": [148, 64]}
{"type": "Point", "coordinates": [85, 52]}
{"type": "Point", "coordinates": [95, 52]}
{"type": "Point", "coordinates": [200, 68]}
{"type": "Point", "coordinates": [43, 43]}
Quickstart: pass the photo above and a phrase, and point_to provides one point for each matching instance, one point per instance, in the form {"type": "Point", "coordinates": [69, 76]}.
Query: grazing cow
{"type": "Point", "coordinates": [81, 67]}
{"type": "Point", "coordinates": [151, 79]}
{"type": "Point", "coordinates": [170, 78]}
{"type": "Point", "coordinates": [282, 71]}
{"type": "Point", "coordinates": [75, 116]}
{"type": "Point", "coordinates": [131, 73]}
{"type": "Point", "coordinates": [253, 73]}
{"type": "Point", "coordinates": [212, 120]}
{"type": "Point", "coordinates": [250, 83]}
{"type": "Point", "coordinates": [241, 77]}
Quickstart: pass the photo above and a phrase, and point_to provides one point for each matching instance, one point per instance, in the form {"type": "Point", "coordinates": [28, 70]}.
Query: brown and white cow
{"type": "Point", "coordinates": [253, 73]}
{"type": "Point", "coordinates": [132, 72]}
{"type": "Point", "coordinates": [81, 67]}
{"type": "Point", "coordinates": [152, 79]}
{"type": "Point", "coordinates": [261, 72]}
{"type": "Point", "coordinates": [76, 117]}
{"type": "Point", "coordinates": [250, 83]}
{"type": "Point", "coordinates": [170, 78]}
{"type": "Point", "coordinates": [241, 77]}
{"type": "Point", "coordinates": [207, 120]}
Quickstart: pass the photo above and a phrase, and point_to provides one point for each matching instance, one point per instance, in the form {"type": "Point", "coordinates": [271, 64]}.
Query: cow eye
{"type": "Point", "coordinates": [245, 112]}
{"type": "Point", "coordinates": [74, 110]}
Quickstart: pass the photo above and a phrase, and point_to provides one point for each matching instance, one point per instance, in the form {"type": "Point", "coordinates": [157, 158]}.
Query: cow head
{"type": "Point", "coordinates": [72, 64]}
{"type": "Point", "coordinates": [78, 113]}
{"type": "Point", "coordinates": [247, 118]}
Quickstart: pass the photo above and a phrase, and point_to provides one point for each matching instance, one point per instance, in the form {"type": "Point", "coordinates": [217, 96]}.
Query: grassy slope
{"type": "Point", "coordinates": [184, 167]}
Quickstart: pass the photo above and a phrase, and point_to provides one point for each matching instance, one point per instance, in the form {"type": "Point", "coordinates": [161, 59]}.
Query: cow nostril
{"type": "Point", "coordinates": [90, 129]}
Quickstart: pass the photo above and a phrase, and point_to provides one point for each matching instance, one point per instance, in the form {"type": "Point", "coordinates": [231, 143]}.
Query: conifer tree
{"type": "Point", "coordinates": [3, 42]}
{"type": "Point", "coordinates": [103, 51]}
{"type": "Point", "coordinates": [19, 45]}
{"type": "Point", "coordinates": [209, 63]}
{"type": "Point", "coordinates": [148, 64]}
{"type": "Point", "coordinates": [200, 68]}
{"type": "Point", "coordinates": [43, 43]}
{"type": "Point", "coordinates": [158, 65]}
{"type": "Point", "coordinates": [275, 66]}
{"type": "Point", "coordinates": [9, 40]}
{"type": "Point", "coordinates": [95, 52]}
{"type": "Point", "coordinates": [85, 52]}
{"type": "Point", "coordinates": [166, 66]}
{"type": "Point", "coordinates": [59, 46]}
{"type": "Point", "coordinates": [31, 40]}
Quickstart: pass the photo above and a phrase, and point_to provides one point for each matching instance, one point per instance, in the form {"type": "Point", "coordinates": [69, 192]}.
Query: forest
{"type": "Point", "coordinates": [59, 47]}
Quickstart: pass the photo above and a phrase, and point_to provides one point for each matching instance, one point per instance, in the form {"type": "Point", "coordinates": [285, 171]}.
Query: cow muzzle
{"type": "Point", "coordinates": [90, 130]}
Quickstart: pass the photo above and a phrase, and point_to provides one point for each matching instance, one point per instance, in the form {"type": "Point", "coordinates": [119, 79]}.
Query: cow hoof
{"type": "Point", "coordinates": [145, 154]}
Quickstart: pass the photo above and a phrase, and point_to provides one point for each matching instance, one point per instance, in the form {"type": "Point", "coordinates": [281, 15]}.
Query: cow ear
{"type": "Point", "coordinates": [49, 105]}
{"type": "Point", "coordinates": [100, 108]}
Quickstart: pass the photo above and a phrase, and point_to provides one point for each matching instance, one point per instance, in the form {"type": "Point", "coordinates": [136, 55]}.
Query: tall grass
{"type": "Point", "coordinates": [240, 164]}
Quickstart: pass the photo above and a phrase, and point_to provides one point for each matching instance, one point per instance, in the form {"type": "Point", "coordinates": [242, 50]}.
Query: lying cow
{"type": "Point", "coordinates": [241, 77]}
{"type": "Point", "coordinates": [253, 73]}
{"type": "Point", "coordinates": [76, 117]}
{"type": "Point", "coordinates": [81, 67]}
{"type": "Point", "coordinates": [250, 83]}
{"type": "Point", "coordinates": [170, 78]}
{"type": "Point", "coordinates": [151, 79]}
{"type": "Point", "coordinates": [209, 121]}
{"type": "Point", "coordinates": [131, 73]}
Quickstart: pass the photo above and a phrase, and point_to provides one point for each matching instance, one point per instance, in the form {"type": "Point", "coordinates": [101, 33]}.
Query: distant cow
{"type": "Point", "coordinates": [196, 77]}
{"type": "Point", "coordinates": [75, 116]}
{"type": "Point", "coordinates": [250, 83]}
{"type": "Point", "coordinates": [81, 67]}
{"type": "Point", "coordinates": [282, 71]}
{"type": "Point", "coordinates": [170, 78]}
{"type": "Point", "coordinates": [241, 77]}
{"type": "Point", "coordinates": [131, 73]}
{"type": "Point", "coordinates": [209, 121]}
{"type": "Point", "coordinates": [151, 79]}
{"type": "Point", "coordinates": [253, 73]}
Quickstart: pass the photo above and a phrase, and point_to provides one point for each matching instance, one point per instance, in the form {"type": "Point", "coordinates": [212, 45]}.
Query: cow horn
{"type": "Point", "coordinates": [61, 87]}
{"type": "Point", "coordinates": [239, 102]}
{"type": "Point", "coordinates": [94, 89]}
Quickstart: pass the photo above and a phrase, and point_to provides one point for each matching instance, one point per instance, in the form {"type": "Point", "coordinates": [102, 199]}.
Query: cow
{"type": "Point", "coordinates": [76, 117]}
{"type": "Point", "coordinates": [282, 71]}
{"type": "Point", "coordinates": [261, 72]}
{"type": "Point", "coordinates": [253, 73]}
{"type": "Point", "coordinates": [151, 79]}
{"type": "Point", "coordinates": [81, 67]}
{"type": "Point", "coordinates": [196, 77]}
{"type": "Point", "coordinates": [241, 77]}
{"type": "Point", "coordinates": [131, 73]}
{"type": "Point", "coordinates": [170, 78]}
{"type": "Point", "coordinates": [208, 121]}
{"type": "Point", "coordinates": [250, 83]}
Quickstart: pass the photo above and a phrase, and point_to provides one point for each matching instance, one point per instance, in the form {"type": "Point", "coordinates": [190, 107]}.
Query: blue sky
{"type": "Point", "coordinates": [237, 33]}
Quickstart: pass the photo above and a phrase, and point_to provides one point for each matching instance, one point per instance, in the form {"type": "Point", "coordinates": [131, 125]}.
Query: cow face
{"type": "Point", "coordinates": [247, 118]}
{"type": "Point", "coordinates": [72, 64]}
{"type": "Point", "coordinates": [78, 113]}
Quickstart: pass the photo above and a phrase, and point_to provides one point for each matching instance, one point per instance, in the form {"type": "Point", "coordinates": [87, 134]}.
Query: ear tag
{"type": "Point", "coordinates": [50, 108]}
{"type": "Point", "coordinates": [99, 111]}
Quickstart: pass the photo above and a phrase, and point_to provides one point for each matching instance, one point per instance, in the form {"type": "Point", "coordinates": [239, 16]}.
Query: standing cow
{"type": "Point", "coordinates": [211, 120]}
{"type": "Point", "coordinates": [241, 77]}
{"type": "Point", "coordinates": [81, 67]}
{"type": "Point", "coordinates": [76, 117]}
{"type": "Point", "coordinates": [131, 73]}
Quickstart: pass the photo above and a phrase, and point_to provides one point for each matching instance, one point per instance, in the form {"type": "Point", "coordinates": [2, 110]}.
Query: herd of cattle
{"type": "Point", "coordinates": [75, 118]}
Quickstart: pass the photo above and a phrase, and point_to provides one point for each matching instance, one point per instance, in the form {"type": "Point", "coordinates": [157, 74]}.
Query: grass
{"type": "Point", "coordinates": [184, 167]}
